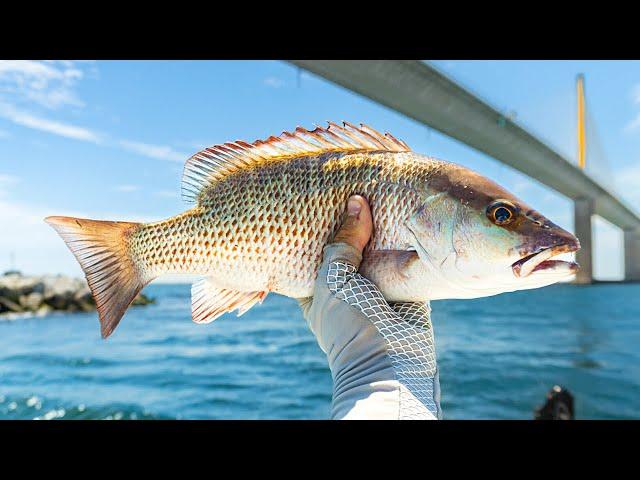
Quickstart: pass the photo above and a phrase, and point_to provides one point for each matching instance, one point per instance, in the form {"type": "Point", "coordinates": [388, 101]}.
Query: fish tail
{"type": "Point", "coordinates": [102, 249]}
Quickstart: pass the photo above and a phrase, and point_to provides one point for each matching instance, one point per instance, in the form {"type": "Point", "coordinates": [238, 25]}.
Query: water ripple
{"type": "Point", "coordinates": [498, 356]}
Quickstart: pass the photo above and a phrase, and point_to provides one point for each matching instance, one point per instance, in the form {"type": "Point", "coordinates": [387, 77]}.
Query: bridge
{"type": "Point", "coordinates": [426, 95]}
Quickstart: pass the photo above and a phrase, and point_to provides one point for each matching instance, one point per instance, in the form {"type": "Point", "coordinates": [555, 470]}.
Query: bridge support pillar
{"type": "Point", "coordinates": [583, 210]}
{"type": "Point", "coordinates": [632, 255]}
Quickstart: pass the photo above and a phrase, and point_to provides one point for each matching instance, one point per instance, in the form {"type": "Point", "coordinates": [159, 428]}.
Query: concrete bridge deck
{"type": "Point", "coordinates": [419, 91]}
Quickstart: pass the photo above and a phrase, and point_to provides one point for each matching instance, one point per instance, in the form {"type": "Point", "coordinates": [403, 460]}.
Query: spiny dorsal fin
{"type": "Point", "coordinates": [214, 163]}
{"type": "Point", "coordinates": [208, 302]}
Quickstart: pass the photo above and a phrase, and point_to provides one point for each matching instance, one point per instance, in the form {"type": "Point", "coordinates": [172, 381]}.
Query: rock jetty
{"type": "Point", "coordinates": [40, 295]}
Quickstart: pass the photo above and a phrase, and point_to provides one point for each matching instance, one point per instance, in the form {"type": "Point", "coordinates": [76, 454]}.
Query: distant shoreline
{"type": "Point", "coordinates": [24, 295]}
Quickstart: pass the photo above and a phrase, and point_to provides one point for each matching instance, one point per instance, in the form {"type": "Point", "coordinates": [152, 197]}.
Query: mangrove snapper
{"type": "Point", "coordinates": [264, 211]}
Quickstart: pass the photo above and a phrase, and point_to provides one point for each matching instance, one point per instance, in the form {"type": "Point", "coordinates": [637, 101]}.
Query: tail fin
{"type": "Point", "coordinates": [101, 249]}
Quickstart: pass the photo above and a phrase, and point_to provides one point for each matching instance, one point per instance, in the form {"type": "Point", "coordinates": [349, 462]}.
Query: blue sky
{"type": "Point", "coordinates": [107, 140]}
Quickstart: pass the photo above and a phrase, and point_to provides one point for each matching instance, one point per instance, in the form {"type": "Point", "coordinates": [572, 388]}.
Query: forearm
{"type": "Point", "coordinates": [364, 380]}
{"type": "Point", "coordinates": [382, 365]}
{"type": "Point", "coordinates": [369, 384]}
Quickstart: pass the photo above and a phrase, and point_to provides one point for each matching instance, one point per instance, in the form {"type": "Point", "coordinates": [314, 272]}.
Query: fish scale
{"type": "Point", "coordinates": [264, 211]}
{"type": "Point", "coordinates": [273, 225]}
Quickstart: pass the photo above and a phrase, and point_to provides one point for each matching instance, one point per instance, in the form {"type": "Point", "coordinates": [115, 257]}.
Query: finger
{"type": "Point", "coordinates": [357, 227]}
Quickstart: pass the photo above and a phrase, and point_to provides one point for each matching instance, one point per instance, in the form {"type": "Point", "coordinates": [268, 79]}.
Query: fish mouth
{"type": "Point", "coordinates": [540, 261]}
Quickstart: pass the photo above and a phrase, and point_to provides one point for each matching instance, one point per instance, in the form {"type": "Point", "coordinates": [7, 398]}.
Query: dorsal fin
{"type": "Point", "coordinates": [214, 163]}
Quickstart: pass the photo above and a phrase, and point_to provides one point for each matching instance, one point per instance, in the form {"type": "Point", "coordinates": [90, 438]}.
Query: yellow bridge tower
{"type": "Point", "coordinates": [582, 146]}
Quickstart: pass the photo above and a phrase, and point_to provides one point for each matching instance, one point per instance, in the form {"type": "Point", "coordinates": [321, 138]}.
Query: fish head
{"type": "Point", "coordinates": [476, 239]}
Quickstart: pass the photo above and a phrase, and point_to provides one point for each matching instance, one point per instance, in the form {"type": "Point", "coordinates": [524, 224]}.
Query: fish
{"type": "Point", "coordinates": [261, 213]}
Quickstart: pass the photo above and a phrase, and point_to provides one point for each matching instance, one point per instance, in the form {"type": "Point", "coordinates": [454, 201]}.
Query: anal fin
{"type": "Point", "coordinates": [208, 302]}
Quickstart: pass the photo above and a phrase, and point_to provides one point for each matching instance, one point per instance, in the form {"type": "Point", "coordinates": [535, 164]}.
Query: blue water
{"type": "Point", "coordinates": [498, 357]}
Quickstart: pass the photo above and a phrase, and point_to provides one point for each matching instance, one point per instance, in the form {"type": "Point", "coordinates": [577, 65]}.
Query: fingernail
{"type": "Point", "coordinates": [353, 207]}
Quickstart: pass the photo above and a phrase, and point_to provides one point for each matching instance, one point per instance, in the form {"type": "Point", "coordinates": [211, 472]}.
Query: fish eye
{"type": "Point", "coordinates": [501, 212]}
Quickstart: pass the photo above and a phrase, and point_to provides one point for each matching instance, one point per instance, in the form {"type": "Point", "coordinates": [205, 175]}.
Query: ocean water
{"type": "Point", "coordinates": [498, 357]}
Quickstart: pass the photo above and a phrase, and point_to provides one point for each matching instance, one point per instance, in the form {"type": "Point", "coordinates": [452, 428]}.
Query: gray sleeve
{"type": "Point", "coordinates": [381, 356]}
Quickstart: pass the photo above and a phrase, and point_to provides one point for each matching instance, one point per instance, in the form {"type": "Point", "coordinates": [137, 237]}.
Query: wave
{"type": "Point", "coordinates": [37, 408]}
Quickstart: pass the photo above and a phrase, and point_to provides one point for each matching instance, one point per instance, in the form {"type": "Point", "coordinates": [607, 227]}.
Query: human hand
{"type": "Point", "coordinates": [382, 356]}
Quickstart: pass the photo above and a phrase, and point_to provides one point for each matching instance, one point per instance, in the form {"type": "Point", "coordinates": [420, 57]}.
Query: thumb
{"type": "Point", "coordinates": [357, 227]}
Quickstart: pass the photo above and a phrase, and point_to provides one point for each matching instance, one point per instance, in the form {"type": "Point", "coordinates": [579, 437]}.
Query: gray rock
{"type": "Point", "coordinates": [13, 285]}
{"type": "Point", "coordinates": [142, 299]}
{"type": "Point", "coordinates": [10, 305]}
{"type": "Point", "coordinates": [31, 301]}
{"type": "Point", "coordinates": [83, 295]}
{"type": "Point", "coordinates": [42, 294]}
{"type": "Point", "coordinates": [62, 286]}
{"type": "Point", "coordinates": [44, 309]}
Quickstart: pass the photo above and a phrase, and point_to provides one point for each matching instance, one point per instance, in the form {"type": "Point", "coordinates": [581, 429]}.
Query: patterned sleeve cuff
{"type": "Point", "coordinates": [343, 252]}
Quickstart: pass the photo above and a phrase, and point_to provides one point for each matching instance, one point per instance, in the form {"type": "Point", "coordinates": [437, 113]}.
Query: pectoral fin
{"type": "Point", "coordinates": [393, 263]}
{"type": "Point", "coordinates": [399, 274]}
{"type": "Point", "coordinates": [208, 302]}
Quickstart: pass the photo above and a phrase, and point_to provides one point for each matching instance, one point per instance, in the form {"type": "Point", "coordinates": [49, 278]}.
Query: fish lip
{"type": "Point", "coordinates": [541, 260]}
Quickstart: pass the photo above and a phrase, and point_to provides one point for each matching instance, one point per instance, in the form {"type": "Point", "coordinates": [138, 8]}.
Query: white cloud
{"type": "Point", "coordinates": [26, 119]}
{"type": "Point", "coordinates": [51, 84]}
{"type": "Point", "coordinates": [127, 188]}
{"type": "Point", "coordinates": [168, 194]}
{"type": "Point", "coordinates": [25, 84]}
{"type": "Point", "coordinates": [29, 92]}
{"type": "Point", "coordinates": [633, 125]}
{"type": "Point", "coordinates": [48, 83]}
{"type": "Point", "coordinates": [273, 82]}
{"type": "Point", "coordinates": [29, 120]}
{"type": "Point", "coordinates": [161, 152]}
{"type": "Point", "coordinates": [196, 145]}
{"type": "Point", "coordinates": [75, 132]}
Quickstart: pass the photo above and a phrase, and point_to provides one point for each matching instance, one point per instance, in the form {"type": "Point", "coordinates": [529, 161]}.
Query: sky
{"type": "Point", "coordinates": [108, 139]}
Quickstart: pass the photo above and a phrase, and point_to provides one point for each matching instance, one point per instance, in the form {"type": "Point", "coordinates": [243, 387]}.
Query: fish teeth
{"type": "Point", "coordinates": [528, 266]}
